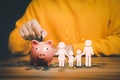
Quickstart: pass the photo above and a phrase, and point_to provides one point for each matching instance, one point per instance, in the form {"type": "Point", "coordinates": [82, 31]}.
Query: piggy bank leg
{"type": "Point", "coordinates": [48, 64]}
{"type": "Point", "coordinates": [34, 63]}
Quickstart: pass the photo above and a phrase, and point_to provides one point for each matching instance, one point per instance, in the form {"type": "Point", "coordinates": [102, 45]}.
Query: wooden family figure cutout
{"type": "Point", "coordinates": [61, 53]}
{"type": "Point", "coordinates": [78, 58]}
{"type": "Point", "coordinates": [88, 52]}
{"type": "Point", "coordinates": [71, 58]}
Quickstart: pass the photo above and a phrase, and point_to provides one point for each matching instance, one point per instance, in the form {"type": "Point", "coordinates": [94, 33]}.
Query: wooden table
{"type": "Point", "coordinates": [19, 68]}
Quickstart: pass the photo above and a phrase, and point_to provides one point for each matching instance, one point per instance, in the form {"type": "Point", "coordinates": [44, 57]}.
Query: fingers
{"type": "Point", "coordinates": [24, 32]}
{"type": "Point", "coordinates": [32, 30]}
{"type": "Point", "coordinates": [44, 34]}
{"type": "Point", "coordinates": [36, 28]}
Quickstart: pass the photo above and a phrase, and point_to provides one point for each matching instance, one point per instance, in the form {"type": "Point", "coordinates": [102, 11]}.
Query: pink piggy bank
{"type": "Point", "coordinates": [42, 53]}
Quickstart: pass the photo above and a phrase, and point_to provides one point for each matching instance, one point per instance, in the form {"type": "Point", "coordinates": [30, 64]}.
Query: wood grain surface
{"type": "Point", "coordinates": [20, 68]}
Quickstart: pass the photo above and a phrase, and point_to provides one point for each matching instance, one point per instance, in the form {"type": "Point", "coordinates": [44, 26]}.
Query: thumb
{"type": "Point", "coordinates": [44, 34]}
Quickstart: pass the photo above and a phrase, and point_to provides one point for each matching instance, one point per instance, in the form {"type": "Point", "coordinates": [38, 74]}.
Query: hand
{"type": "Point", "coordinates": [32, 30]}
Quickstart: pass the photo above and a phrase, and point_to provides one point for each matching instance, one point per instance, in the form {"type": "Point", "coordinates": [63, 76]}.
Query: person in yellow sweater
{"type": "Point", "coordinates": [69, 21]}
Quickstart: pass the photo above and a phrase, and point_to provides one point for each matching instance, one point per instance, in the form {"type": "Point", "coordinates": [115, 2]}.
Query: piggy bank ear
{"type": "Point", "coordinates": [50, 42]}
{"type": "Point", "coordinates": [34, 42]}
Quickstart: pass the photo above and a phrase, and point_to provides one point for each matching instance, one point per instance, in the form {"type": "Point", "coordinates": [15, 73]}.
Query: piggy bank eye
{"type": "Point", "coordinates": [37, 49]}
{"type": "Point", "coordinates": [45, 49]}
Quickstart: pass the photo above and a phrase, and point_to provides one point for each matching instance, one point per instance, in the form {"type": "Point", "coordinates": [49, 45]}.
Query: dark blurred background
{"type": "Point", "coordinates": [10, 12]}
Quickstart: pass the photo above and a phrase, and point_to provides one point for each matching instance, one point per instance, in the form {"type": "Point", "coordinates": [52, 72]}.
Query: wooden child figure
{"type": "Point", "coordinates": [78, 57]}
{"type": "Point", "coordinates": [71, 58]}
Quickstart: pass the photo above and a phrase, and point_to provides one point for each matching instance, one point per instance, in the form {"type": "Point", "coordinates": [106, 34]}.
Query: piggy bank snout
{"type": "Point", "coordinates": [41, 55]}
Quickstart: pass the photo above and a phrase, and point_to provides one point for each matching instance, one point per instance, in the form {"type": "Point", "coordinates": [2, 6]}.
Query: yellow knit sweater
{"type": "Point", "coordinates": [73, 21]}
